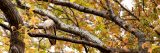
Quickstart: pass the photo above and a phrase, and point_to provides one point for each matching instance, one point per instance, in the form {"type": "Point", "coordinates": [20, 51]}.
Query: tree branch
{"type": "Point", "coordinates": [139, 34]}
{"type": "Point", "coordinates": [16, 41]}
{"type": "Point", "coordinates": [127, 10]}
{"type": "Point", "coordinates": [80, 8]}
{"type": "Point", "coordinates": [95, 45]}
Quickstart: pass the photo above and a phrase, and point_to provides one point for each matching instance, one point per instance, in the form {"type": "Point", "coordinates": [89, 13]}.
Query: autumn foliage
{"type": "Point", "coordinates": [89, 26]}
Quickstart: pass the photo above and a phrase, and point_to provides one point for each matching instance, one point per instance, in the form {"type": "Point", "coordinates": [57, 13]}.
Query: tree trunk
{"type": "Point", "coordinates": [16, 40]}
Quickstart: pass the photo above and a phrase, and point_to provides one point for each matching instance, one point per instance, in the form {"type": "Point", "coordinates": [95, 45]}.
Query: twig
{"type": "Point", "coordinates": [127, 10]}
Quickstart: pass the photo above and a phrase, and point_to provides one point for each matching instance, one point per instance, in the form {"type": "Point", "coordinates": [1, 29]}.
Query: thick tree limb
{"type": "Point", "coordinates": [16, 43]}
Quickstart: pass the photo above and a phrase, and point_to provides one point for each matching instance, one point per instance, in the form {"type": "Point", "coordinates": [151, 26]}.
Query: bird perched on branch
{"type": "Point", "coordinates": [50, 29]}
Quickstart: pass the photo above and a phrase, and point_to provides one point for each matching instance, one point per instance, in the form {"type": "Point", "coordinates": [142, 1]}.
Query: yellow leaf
{"type": "Point", "coordinates": [146, 45]}
{"type": "Point", "coordinates": [31, 10]}
{"type": "Point", "coordinates": [34, 20]}
{"type": "Point", "coordinates": [155, 49]}
{"type": "Point", "coordinates": [25, 17]}
{"type": "Point", "coordinates": [72, 0]}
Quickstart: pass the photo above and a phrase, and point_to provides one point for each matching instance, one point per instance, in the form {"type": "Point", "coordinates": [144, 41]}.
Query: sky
{"type": "Point", "coordinates": [128, 4]}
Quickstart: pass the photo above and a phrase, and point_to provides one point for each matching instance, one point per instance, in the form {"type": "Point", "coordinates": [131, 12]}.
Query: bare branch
{"type": "Point", "coordinates": [16, 41]}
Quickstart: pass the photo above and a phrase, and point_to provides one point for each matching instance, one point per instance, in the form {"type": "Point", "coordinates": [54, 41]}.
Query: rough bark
{"type": "Point", "coordinates": [16, 43]}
